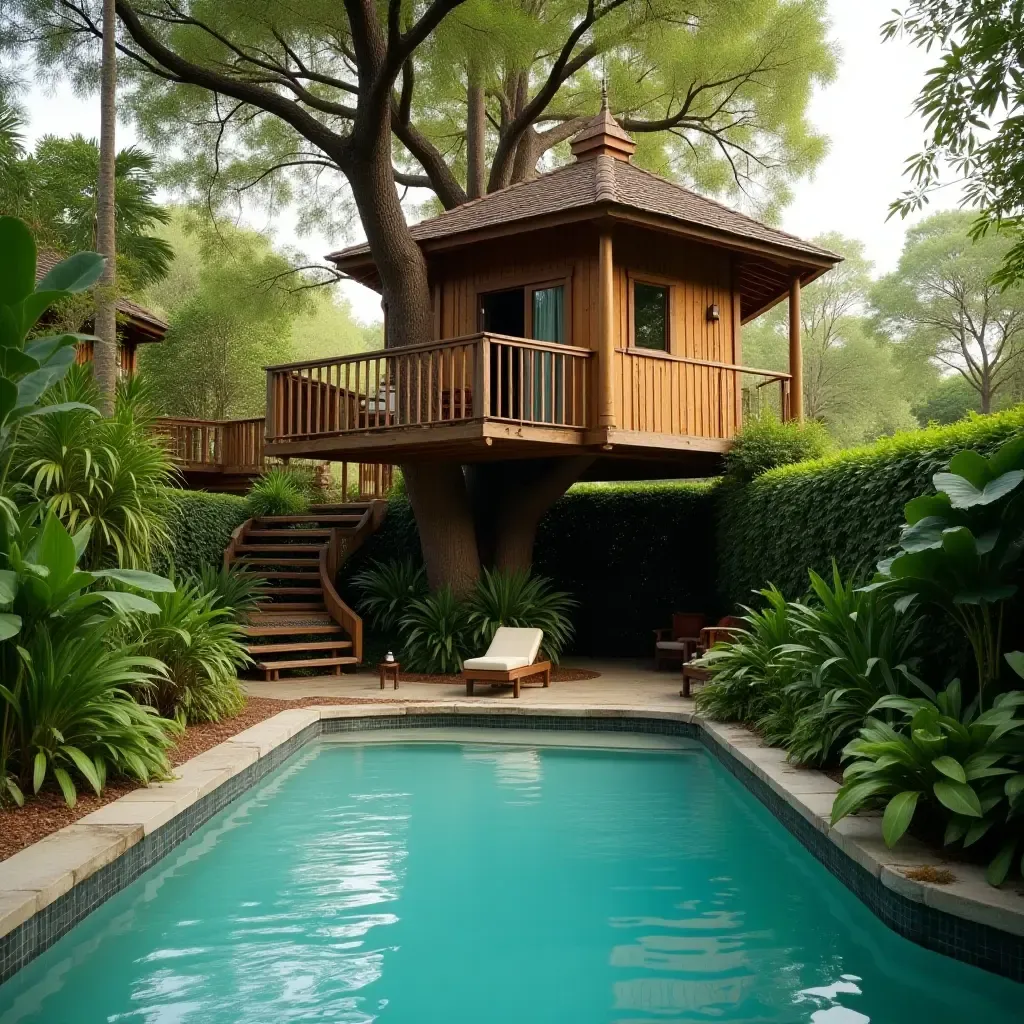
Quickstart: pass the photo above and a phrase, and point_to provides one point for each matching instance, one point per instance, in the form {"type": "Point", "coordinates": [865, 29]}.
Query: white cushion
{"type": "Point", "coordinates": [516, 642]}
{"type": "Point", "coordinates": [672, 645]}
{"type": "Point", "coordinates": [489, 664]}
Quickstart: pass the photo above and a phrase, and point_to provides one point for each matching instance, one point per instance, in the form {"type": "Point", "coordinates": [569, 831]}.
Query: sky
{"type": "Point", "coordinates": [866, 113]}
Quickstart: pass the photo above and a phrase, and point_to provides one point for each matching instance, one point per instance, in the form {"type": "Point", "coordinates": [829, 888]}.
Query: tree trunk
{"type": "Point", "coordinates": [986, 392]}
{"type": "Point", "coordinates": [104, 357]}
{"type": "Point", "coordinates": [475, 134]}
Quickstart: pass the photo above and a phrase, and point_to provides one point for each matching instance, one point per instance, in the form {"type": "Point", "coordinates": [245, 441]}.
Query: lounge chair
{"type": "Point", "coordinates": [709, 636]}
{"type": "Point", "coordinates": [511, 657]}
{"type": "Point", "coordinates": [678, 644]}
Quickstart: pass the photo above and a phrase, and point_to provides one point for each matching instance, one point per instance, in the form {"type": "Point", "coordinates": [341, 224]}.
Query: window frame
{"type": "Point", "coordinates": [654, 281]}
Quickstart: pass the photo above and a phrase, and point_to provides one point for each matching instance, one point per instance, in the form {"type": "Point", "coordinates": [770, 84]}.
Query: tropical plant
{"type": "Point", "coordinates": [434, 632]}
{"type": "Point", "coordinates": [517, 598]}
{"type": "Point", "coordinates": [110, 474]}
{"type": "Point", "coordinates": [962, 763]}
{"type": "Point", "coordinates": [277, 493]}
{"type": "Point", "coordinates": [47, 605]}
{"type": "Point", "coordinates": [748, 674]}
{"type": "Point", "coordinates": [961, 548]}
{"type": "Point", "coordinates": [766, 443]}
{"type": "Point", "coordinates": [233, 588]}
{"type": "Point", "coordinates": [850, 648]}
{"type": "Point", "coordinates": [199, 642]}
{"type": "Point", "coordinates": [387, 589]}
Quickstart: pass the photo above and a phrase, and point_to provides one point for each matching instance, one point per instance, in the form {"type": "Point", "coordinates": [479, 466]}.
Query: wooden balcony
{"type": "Point", "coordinates": [488, 396]}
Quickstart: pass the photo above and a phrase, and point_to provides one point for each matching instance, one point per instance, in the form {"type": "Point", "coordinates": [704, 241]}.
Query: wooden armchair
{"type": "Point", "coordinates": [678, 644]}
{"type": "Point", "coordinates": [724, 629]}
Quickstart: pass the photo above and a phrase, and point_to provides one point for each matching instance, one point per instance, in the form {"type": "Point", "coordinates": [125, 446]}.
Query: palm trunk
{"type": "Point", "coordinates": [105, 320]}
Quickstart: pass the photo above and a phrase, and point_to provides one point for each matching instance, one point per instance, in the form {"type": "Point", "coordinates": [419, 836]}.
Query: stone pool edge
{"type": "Point", "coordinates": [51, 885]}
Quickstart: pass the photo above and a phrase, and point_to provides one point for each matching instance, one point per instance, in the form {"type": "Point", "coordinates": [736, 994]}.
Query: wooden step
{"type": "Point", "coordinates": [270, 591]}
{"type": "Point", "coordinates": [256, 548]}
{"type": "Point", "coordinates": [288, 648]}
{"type": "Point", "coordinates": [285, 534]}
{"type": "Point", "coordinates": [294, 520]}
{"type": "Point", "coordinates": [276, 666]}
{"type": "Point", "coordinates": [275, 560]}
{"type": "Point", "coordinates": [298, 606]}
{"type": "Point", "coordinates": [288, 575]}
{"type": "Point", "coordinates": [293, 629]}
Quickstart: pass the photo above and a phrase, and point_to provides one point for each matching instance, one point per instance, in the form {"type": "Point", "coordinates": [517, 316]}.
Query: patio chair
{"type": "Point", "coordinates": [709, 636]}
{"type": "Point", "coordinates": [510, 658]}
{"type": "Point", "coordinates": [678, 644]}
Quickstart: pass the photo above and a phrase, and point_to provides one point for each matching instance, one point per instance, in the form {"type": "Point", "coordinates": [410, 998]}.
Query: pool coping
{"type": "Point", "coordinates": [46, 888]}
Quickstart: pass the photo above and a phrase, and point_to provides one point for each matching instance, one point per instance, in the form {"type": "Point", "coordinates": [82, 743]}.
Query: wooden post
{"type": "Point", "coordinates": [606, 338]}
{"type": "Point", "coordinates": [796, 359]}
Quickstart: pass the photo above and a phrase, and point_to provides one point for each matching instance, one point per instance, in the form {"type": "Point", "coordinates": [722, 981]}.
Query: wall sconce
{"type": "Point", "coordinates": [713, 315]}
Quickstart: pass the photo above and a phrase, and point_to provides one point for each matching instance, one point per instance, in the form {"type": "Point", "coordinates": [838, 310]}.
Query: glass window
{"type": "Point", "coordinates": [548, 304]}
{"type": "Point", "coordinates": [650, 316]}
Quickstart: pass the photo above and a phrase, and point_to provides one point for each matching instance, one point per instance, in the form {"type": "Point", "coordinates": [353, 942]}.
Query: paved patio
{"type": "Point", "coordinates": [622, 682]}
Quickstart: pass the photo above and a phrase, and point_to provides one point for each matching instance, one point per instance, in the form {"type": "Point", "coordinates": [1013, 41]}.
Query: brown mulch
{"type": "Point", "coordinates": [47, 812]}
{"type": "Point", "coordinates": [558, 675]}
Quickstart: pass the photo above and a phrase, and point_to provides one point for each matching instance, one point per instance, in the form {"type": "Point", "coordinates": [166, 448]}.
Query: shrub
{"type": "Point", "coordinates": [236, 590]}
{"type": "Point", "coordinates": [199, 642]}
{"type": "Point", "coordinates": [107, 474]}
{"type": "Point", "coordinates": [387, 589]}
{"type": "Point", "coordinates": [200, 525]}
{"type": "Point", "coordinates": [764, 443]}
{"type": "Point", "coordinates": [518, 599]}
{"type": "Point", "coordinates": [434, 633]}
{"type": "Point", "coordinates": [277, 493]}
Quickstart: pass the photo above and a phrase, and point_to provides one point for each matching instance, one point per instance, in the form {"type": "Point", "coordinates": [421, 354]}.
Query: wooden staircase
{"type": "Point", "coordinates": [302, 624]}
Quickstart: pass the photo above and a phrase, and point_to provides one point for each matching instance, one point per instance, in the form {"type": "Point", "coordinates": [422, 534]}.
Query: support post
{"type": "Point", "coordinates": [606, 340]}
{"type": "Point", "coordinates": [796, 359]}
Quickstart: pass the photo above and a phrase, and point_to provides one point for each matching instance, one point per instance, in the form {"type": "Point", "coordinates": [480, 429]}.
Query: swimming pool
{"type": "Point", "coordinates": [418, 878]}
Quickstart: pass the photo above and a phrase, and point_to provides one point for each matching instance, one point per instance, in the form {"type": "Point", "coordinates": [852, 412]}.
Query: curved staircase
{"type": "Point", "coordinates": [302, 625]}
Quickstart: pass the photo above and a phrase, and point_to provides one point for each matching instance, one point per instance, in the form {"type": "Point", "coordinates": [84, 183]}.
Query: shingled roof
{"type": "Point", "coordinates": [597, 181]}
{"type": "Point", "coordinates": [143, 318]}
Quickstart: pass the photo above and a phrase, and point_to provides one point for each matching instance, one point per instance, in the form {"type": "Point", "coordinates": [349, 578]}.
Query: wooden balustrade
{"type": "Point", "coordinates": [480, 376]}
{"type": "Point", "coordinates": [235, 445]}
{"type": "Point", "coordinates": [665, 394]}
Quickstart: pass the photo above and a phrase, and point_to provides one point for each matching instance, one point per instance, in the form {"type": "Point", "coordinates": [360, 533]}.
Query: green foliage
{"type": "Point", "coordinates": [108, 474]}
{"type": "Point", "coordinates": [961, 548]}
{"type": "Point", "coordinates": [847, 506]}
{"type": "Point", "coordinates": [963, 765]}
{"type": "Point", "coordinates": [434, 633]}
{"type": "Point", "coordinates": [519, 599]}
{"type": "Point", "coordinates": [200, 525]}
{"type": "Point", "coordinates": [386, 589]}
{"type": "Point", "coordinates": [278, 492]}
{"type": "Point", "coordinates": [764, 443]}
{"type": "Point", "coordinates": [195, 635]}
{"type": "Point", "coordinates": [235, 588]}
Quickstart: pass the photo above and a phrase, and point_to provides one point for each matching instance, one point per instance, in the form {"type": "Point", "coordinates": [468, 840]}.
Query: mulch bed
{"type": "Point", "coordinates": [47, 812]}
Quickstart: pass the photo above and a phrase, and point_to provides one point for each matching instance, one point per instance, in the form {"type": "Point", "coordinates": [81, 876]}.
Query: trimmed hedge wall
{"type": "Point", "coordinates": [847, 506]}
{"type": "Point", "coordinates": [201, 523]}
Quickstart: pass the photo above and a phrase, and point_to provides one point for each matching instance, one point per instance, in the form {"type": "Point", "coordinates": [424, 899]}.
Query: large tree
{"type": "Point", "coordinates": [941, 303]}
{"type": "Point", "coordinates": [323, 101]}
{"type": "Point", "coordinates": [851, 382]}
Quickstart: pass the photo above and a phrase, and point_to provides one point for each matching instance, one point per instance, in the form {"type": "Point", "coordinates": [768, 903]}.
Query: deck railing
{"type": "Point", "coordinates": [660, 393]}
{"type": "Point", "coordinates": [233, 445]}
{"type": "Point", "coordinates": [480, 376]}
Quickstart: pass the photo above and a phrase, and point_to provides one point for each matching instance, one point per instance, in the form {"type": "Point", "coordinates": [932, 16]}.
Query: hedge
{"type": "Point", "coordinates": [847, 506]}
{"type": "Point", "coordinates": [201, 523]}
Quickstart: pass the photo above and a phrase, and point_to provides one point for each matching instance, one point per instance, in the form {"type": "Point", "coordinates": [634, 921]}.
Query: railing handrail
{"type": "Point", "coordinates": [647, 353]}
{"type": "Point", "coordinates": [465, 339]}
{"type": "Point", "coordinates": [188, 421]}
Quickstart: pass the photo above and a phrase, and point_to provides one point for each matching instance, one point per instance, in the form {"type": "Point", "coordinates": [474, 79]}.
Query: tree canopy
{"type": "Point", "coordinates": [941, 303]}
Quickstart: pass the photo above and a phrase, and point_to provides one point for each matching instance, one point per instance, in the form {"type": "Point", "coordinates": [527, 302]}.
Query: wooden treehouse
{"type": "Point", "coordinates": [595, 310]}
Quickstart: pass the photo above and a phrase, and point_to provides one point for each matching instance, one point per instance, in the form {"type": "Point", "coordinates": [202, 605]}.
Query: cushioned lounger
{"type": "Point", "coordinates": [510, 657]}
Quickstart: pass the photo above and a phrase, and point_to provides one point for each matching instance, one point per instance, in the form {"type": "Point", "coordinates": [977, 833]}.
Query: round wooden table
{"type": "Point", "coordinates": [389, 669]}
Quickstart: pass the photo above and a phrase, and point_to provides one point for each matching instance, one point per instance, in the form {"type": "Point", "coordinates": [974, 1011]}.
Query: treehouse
{"type": "Point", "coordinates": [594, 310]}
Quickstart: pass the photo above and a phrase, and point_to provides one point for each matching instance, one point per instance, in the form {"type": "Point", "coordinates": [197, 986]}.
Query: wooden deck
{"type": "Point", "coordinates": [488, 396]}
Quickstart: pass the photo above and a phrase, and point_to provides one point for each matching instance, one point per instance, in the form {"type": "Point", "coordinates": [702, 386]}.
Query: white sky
{"type": "Point", "coordinates": [866, 113]}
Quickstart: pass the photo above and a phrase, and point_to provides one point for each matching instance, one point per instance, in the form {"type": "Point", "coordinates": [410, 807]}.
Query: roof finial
{"type": "Point", "coordinates": [604, 93]}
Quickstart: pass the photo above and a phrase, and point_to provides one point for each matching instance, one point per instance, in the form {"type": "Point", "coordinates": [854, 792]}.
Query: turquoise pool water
{"type": "Point", "coordinates": [418, 882]}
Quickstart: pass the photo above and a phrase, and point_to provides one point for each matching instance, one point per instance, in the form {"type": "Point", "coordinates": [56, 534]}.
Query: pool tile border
{"type": "Point", "coordinates": [52, 885]}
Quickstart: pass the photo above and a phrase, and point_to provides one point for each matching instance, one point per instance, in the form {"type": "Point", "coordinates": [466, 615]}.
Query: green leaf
{"type": "Point", "coordinates": [898, 814]}
{"type": "Point", "coordinates": [976, 831]}
{"type": "Point", "coordinates": [924, 535]}
{"type": "Point", "coordinates": [75, 274]}
{"type": "Point", "coordinates": [972, 467]}
{"type": "Point", "coordinates": [950, 767]}
{"type": "Point", "coordinates": [8, 586]}
{"type": "Point", "coordinates": [999, 867]}
{"type": "Point", "coordinates": [67, 786]}
{"type": "Point", "coordinates": [55, 549]}
{"type": "Point", "coordinates": [1015, 659]}
{"type": "Point", "coordinates": [963, 494]}
{"type": "Point", "coordinates": [853, 796]}
{"type": "Point", "coordinates": [38, 770]}
{"type": "Point", "coordinates": [17, 261]}
{"type": "Point", "coordinates": [43, 348]}
{"type": "Point", "coordinates": [956, 828]}
{"type": "Point", "coordinates": [10, 625]}
{"type": "Point", "coordinates": [959, 797]}
{"type": "Point", "coordinates": [85, 766]}
{"type": "Point", "coordinates": [129, 604]}
{"type": "Point", "coordinates": [137, 578]}
{"type": "Point", "coordinates": [925, 506]}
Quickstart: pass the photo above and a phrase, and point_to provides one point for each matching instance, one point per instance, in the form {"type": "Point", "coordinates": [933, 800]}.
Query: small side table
{"type": "Point", "coordinates": [389, 669]}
